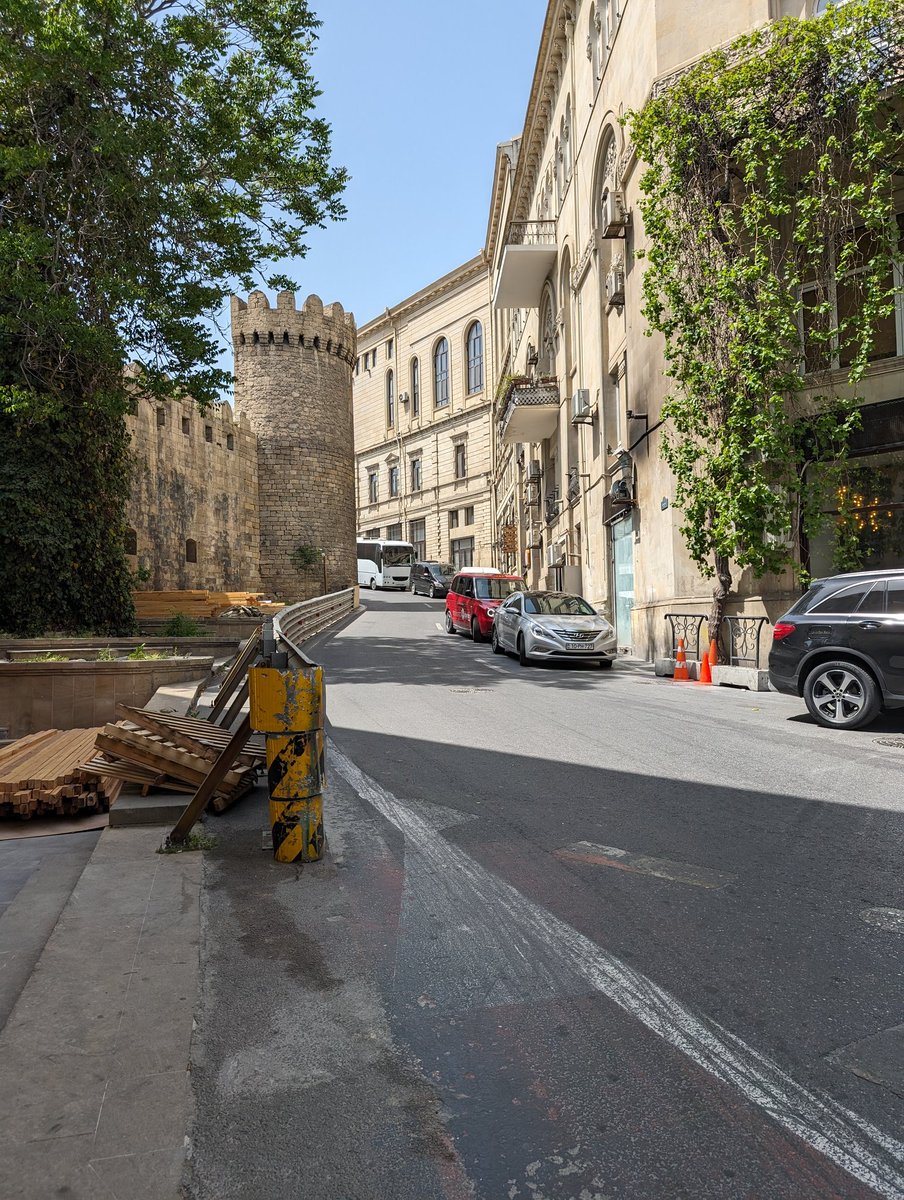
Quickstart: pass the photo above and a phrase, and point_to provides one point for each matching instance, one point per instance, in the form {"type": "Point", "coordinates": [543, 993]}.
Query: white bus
{"type": "Point", "coordinates": [384, 564]}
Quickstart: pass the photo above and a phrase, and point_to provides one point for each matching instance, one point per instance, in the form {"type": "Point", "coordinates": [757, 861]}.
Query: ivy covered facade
{"type": "Point", "coordinates": [693, 413]}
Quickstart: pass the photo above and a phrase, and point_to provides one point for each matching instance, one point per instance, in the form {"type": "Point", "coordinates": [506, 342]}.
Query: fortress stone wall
{"type": "Point", "coordinates": [220, 500]}
{"type": "Point", "coordinates": [194, 496]}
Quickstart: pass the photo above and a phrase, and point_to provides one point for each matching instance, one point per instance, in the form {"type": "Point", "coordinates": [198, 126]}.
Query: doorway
{"type": "Point", "coordinates": [623, 577]}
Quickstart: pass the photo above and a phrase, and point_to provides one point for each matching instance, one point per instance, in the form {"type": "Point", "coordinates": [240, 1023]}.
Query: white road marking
{"type": "Point", "coordinates": [643, 864]}
{"type": "Point", "coordinates": [533, 934]}
{"type": "Point", "coordinates": [889, 919]}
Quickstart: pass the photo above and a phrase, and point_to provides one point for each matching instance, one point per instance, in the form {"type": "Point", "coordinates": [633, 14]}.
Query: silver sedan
{"type": "Point", "coordinates": [544, 625]}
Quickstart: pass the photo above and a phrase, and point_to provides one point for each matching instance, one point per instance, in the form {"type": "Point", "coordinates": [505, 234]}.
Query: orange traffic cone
{"type": "Point", "coordinates": [706, 675]}
{"type": "Point", "coordinates": [713, 653]}
{"type": "Point", "coordinates": [680, 675]}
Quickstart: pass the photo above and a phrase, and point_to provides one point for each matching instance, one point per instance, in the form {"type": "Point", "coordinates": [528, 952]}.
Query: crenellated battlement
{"type": "Point", "coordinates": [328, 329]}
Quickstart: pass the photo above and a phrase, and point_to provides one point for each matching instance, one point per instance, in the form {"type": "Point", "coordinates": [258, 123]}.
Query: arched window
{"type": "Point", "coordinates": [441, 373]}
{"type": "Point", "coordinates": [475, 358]}
{"type": "Point", "coordinates": [415, 388]}
{"type": "Point", "coordinates": [130, 542]}
{"type": "Point", "coordinates": [390, 399]}
{"type": "Point", "coordinates": [191, 551]}
{"type": "Point", "coordinates": [566, 142]}
{"type": "Point", "coordinates": [565, 292]}
{"type": "Point", "coordinates": [546, 365]}
{"type": "Point", "coordinates": [824, 5]}
{"type": "Point", "coordinates": [593, 42]}
{"type": "Point", "coordinates": [606, 180]}
{"type": "Point", "coordinates": [557, 165]}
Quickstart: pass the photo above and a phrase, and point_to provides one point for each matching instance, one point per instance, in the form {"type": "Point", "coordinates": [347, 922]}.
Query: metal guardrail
{"type": "Point", "coordinates": [744, 637]}
{"type": "Point", "coordinates": [301, 622]}
{"type": "Point", "coordinates": [686, 626]}
{"type": "Point", "coordinates": [744, 634]}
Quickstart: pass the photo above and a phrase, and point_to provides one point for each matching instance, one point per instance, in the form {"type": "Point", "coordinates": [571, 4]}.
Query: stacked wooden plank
{"type": "Point", "coordinates": [41, 775]}
{"type": "Point", "coordinates": [197, 604]}
{"type": "Point", "coordinates": [172, 753]}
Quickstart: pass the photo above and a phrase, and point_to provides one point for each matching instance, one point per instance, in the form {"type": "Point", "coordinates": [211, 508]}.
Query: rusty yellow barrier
{"type": "Point", "coordinates": [287, 706]}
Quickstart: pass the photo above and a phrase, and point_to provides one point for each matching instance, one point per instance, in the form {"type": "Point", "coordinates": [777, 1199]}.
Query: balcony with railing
{"type": "Point", "coordinates": [530, 411]}
{"type": "Point", "coordinates": [527, 258]}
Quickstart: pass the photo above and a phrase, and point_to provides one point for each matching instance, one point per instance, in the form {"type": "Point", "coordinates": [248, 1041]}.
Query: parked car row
{"type": "Point", "coordinates": [494, 607]}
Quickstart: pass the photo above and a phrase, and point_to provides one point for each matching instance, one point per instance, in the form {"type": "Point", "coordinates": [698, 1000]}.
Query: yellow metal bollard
{"type": "Point", "coordinates": [287, 706]}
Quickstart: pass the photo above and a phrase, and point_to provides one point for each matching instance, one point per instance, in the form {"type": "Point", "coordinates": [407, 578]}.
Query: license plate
{"type": "Point", "coordinates": [578, 646]}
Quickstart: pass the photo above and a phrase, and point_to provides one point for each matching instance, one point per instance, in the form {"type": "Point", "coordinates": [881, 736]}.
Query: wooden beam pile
{"type": "Point", "coordinates": [172, 753]}
{"type": "Point", "coordinates": [41, 775]}
{"type": "Point", "coordinates": [198, 604]}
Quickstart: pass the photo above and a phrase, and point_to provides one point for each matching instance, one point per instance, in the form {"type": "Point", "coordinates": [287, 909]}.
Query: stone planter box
{"type": "Point", "coordinates": [78, 695]}
{"type": "Point", "coordinates": [219, 647]}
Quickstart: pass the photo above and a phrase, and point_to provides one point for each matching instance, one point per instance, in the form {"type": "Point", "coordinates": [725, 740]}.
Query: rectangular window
{"type": "Point", "coordinates": [469, 515]}
{"type": "Point", "coordinates": [453, 518]}
{"type": "Point", "coordinates": [161, 416]}
{"type": "Point", "coordinates": [417, 535]}
{"type": "Point", "coordinates": [393, 481]}
{"type": "Point", "coordinates": [208, 433]}
{"type": "Point", "coordinates": [373, 486]}
{"type": "Point", "coordinates": [826, 334]}
{"type": "Point", "coordinates": [461, 460]}
{"type": "Point", "coordinates": [462, 552]}
{"type": "Point", "coordinates": [373, 356]}
{"type": "Point", "coordinates": [230, 441]}
{"type": "Point", "coordinates": [372, 533]}
{"type": "Point", "coordinates": [186, 425]}
{"type": "Point", "coordinates": [389, 348]}
{"type": "Point", "coordinates": [415, 474]}
{"type": "Point", "coordinates": [393, 533]}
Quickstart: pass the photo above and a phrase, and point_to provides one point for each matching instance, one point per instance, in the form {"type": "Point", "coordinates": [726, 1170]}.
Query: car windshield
{"type": "Point", "coordinates": [558, 606]}
{"type": "Point", "coordinates": [442, 569]}
{"type": "Point", "coordinates": [497, 589]}
{"type": "Point", "coordinates": [398, 556]}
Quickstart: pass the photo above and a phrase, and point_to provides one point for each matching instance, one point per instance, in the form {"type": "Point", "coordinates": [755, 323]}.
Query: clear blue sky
{"type": "Point", "coordinates": [418, 94]}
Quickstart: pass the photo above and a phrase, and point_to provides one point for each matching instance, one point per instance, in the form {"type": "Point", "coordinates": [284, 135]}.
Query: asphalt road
{"type": "Point", "coordinates": [583, 935]}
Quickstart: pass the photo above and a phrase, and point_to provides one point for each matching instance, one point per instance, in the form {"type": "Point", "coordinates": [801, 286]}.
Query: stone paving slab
{"type": "Point", "coordinates": [95, 1056]}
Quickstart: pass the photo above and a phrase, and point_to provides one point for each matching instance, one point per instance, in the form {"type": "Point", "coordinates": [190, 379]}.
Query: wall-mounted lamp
{"type": "Point", "coordinates": [532, 356]}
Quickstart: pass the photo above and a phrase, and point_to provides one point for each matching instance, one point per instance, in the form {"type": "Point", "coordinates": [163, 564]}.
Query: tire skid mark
{"type": "Point", "coordinates": [536, 941]}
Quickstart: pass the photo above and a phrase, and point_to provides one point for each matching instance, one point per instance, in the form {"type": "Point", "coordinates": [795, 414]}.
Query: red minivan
{"type": "Point", "coordinates": [473, 598]}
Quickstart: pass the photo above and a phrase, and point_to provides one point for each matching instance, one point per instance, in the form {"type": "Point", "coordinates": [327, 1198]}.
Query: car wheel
{"type": "Point", "coordinates": [373, 585]}
{"type": "Point", "coordinates": [476, 635]}
{"type": "Point", "coordinates": [605, 664]}
{"type": "Point", "coordinates": [411, 589]}
{"type": "Point", "coordinates": [432, 592]}
{"type": "Point", "coordinates": [498, 647]}
{"type": "Point", "coordinates": [522, 655]}
{"type": "Point", "coordinates": [841, 695]}
{"type": "Point", "coordinates": [450, 628]}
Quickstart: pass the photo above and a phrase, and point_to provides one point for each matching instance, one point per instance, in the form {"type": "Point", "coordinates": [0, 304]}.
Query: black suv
{"type": "Point", "coordinates": [841, 647]}
{"type": "Point", "coordinates": [431, 578]}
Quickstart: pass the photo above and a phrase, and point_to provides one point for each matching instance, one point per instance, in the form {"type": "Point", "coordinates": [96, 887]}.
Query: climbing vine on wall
{"type": "Point", "coordinates": [768, 206]}
{"type": "Point", "coordinates": [64, 484]}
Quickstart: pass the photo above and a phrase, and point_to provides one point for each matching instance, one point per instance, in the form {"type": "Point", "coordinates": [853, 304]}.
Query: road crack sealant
{"type": "Point", "coordinates": [542, 954]}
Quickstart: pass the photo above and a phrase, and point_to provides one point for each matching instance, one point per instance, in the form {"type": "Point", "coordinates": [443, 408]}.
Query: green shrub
{"type": "Point", "coordinates": [182, 626]}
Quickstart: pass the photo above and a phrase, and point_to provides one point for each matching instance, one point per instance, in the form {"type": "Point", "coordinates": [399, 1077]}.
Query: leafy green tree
{"type": "Point", "coordinates": [767, 199]}
{"type": "Point", "coordinates": [154, 155]}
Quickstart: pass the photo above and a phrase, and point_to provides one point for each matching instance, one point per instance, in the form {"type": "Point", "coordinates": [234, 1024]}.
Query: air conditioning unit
{"type": "Point", "coordinates": [620, 492]}
{"type": "Point", "coordinates": [535, 543]}
{"type": "Point", "coordinates": [615, 288]}
{"type": "Point", "coordinates": [580, 407]}
{"type": "Point", "coordinates": [532, 494]}
{"type": "Point", "coordinates": [554, 556]}
{"type": "Point", "coordinates": [614, 216]}
{"type": "Point", "coordinates": [534, 470]}
{"type": "Point", "coordinates": [403, 398]}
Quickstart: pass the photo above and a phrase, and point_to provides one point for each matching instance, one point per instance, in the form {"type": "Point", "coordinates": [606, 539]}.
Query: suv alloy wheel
{"type": "Point", "coordinates": [841, 695]}
{"type": "Point", "coordinates": [450, 628]}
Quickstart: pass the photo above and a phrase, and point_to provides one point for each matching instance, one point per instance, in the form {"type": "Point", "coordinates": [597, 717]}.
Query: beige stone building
{"type": "Point", "coordinates": [422, 403]}
{"type": "Point", "coordinates": [582, 497]}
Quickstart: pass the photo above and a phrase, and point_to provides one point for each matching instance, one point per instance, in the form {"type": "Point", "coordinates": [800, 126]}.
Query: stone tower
{"type": "Point", "coordinates": [293, 370]}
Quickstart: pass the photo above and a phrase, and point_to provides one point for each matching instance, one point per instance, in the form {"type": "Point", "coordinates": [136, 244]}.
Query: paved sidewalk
{"type": "Point", "coordinates": [96, 1095]}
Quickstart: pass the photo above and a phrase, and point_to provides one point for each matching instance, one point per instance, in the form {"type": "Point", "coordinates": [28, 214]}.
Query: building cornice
{"type": "Point", "coordinates": [465, 274]}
